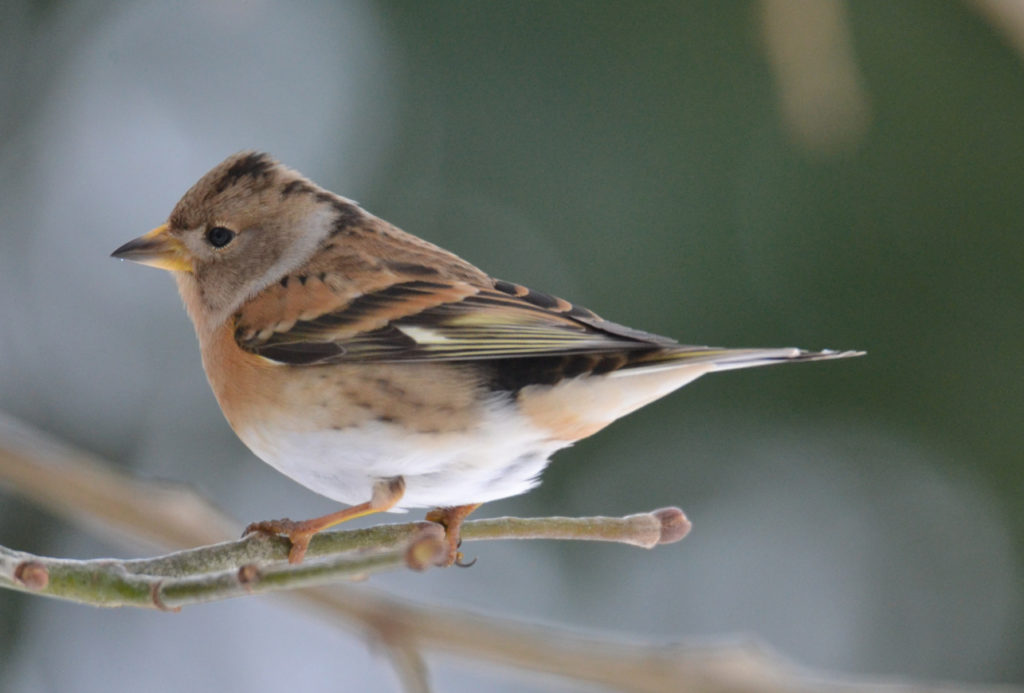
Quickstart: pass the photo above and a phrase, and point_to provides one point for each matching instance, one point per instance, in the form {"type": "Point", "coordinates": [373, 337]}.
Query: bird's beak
{"type": "Point", "coordinates": [158, 248]}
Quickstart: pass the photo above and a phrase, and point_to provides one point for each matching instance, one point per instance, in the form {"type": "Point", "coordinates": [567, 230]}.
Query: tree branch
{"type": "Point", "coordinates": [83, 488]}
{"type": "Point", "coordinates": [258, 563]}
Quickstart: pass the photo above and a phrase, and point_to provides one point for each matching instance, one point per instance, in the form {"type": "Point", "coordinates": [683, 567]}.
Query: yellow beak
{"type": "Point", "coordinates": [158, 248]}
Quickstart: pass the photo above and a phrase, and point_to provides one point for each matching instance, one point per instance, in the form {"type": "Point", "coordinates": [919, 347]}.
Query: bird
{"type": "Point", "coordinates": [384, 372]}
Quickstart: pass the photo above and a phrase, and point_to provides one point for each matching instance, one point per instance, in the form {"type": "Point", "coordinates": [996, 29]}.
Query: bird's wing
{"type": "Point", "coordinates": [418, 319]}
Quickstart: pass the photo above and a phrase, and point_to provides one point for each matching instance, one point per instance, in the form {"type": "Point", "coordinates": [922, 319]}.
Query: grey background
{"type": "Point", "coordinates": [860, 516]}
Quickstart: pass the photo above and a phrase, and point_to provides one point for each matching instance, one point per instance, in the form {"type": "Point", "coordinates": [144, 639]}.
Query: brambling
{"type": "Point", "coordinates": [384, 372]}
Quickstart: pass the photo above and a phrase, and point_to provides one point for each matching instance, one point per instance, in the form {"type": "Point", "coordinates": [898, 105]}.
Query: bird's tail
{"type": "Point", "coordinates": [723, 359]}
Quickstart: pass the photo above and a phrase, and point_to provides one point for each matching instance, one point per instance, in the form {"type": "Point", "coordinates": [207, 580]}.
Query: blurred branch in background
{"type": "Point", "coordinates": [85, 489]}
{"type": "Point", "coordinates": [90, 492]}
{"type": "Point", "coordinates": [821, 95]}
{"type": "Point", "coordinates": [1005, 15]}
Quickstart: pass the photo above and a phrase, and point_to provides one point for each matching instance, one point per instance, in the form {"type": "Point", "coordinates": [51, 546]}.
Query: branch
{"type": "Point", "coordinates": [91, 492]}
{"type": "Point", "coordinates": [820, 89]}
{"type": "Point", "coordinates": [258, 563]}
{"type": "Point", "coordinates": [84, 488]}
{"type": "Point", "coordinates": [1007, 17]}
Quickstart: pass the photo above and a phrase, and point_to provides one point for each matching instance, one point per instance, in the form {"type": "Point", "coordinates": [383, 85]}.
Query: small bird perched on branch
{"type": "Point", "coordinates": [384, 372]}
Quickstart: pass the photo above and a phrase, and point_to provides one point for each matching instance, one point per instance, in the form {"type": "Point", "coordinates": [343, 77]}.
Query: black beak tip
{"type": "Point", "coordinates": [123, 252]}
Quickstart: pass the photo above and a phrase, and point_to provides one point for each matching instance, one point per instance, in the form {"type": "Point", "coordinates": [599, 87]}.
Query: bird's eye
{"type": "Point", "coordinates": [219, 236]}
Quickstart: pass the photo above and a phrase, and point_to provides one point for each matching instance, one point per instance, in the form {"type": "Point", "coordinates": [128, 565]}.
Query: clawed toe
{"type": "Point", "coordinates": [461, 562]}
{"type": "Point", "coordinates": [451, 519]}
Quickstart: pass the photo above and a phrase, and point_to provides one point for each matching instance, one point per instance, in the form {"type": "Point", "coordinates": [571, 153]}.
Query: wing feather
{"type": "Point", "coordinates": [417, 320]}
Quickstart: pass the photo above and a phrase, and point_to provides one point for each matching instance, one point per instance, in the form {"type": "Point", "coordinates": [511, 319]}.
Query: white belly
{"type": "Point", "coordinates": [503, 455]}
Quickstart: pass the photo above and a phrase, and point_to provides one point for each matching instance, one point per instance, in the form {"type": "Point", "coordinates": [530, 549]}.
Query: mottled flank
{"type": "Point", "coordinates": [252, 165]}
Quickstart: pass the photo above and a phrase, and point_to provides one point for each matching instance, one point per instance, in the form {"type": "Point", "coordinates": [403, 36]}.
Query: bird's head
{"type": "Point", "coordinates": [241, 227]}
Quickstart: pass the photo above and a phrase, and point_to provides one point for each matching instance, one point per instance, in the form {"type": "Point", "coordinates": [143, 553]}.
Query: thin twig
{"type": "Point", "coordinates": [115, 583]}
{"type": "Point", "coordinates": [257, 563]}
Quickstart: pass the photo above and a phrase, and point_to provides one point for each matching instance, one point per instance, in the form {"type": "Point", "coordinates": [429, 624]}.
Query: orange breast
{"type": "Point", "coordinates": [244, 384]}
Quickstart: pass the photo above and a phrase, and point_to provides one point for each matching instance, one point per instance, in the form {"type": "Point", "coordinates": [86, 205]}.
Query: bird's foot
{"type": "Point", "coordinates": [451, 519]}
{"type": "Point", "coordinates": [298, 533]}
{"type": "Point", "coordinates": [386, 493]}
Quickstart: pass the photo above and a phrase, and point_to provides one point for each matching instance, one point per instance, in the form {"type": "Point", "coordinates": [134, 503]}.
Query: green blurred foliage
{"type": "Point", "coordinates": [644, 144]}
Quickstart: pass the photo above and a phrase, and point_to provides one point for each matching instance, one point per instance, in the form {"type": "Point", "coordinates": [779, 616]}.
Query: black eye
{"type": "Point", "coordinates": [219, 236]}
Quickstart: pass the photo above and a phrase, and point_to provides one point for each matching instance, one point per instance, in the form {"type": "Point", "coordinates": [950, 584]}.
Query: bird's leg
{"type": "Point", "coordinates": [451, 519]}
{"type": "Point", "coordinates": [386, 493]}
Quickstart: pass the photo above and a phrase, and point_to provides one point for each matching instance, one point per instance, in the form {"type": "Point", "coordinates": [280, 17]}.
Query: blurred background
{"type": "Point", "coordinates": [773, 173]}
